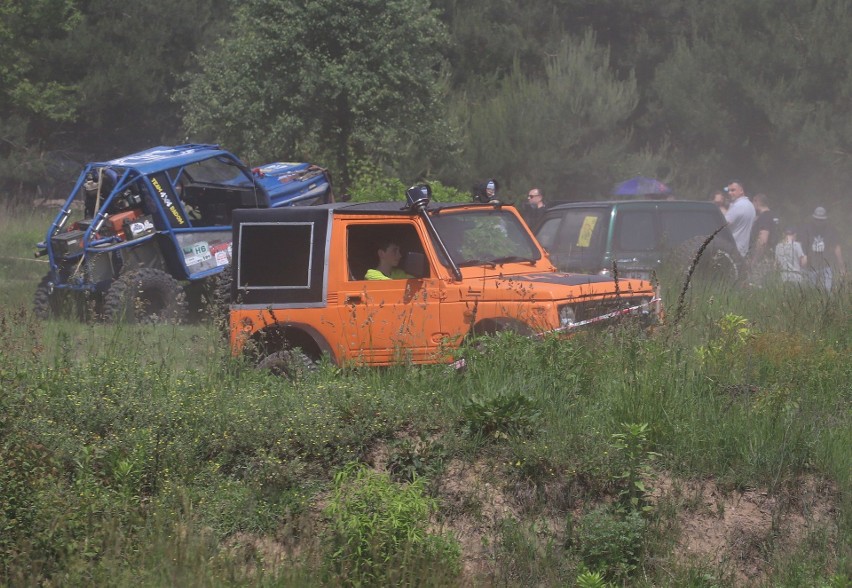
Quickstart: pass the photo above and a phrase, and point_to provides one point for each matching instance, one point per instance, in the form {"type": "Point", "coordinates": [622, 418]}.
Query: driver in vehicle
{"type": "Point", "coordinates": [389, 255]}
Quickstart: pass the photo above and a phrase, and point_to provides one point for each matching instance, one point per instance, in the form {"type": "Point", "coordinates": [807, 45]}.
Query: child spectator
{"type": "Point", "coordinates": [790, 257]}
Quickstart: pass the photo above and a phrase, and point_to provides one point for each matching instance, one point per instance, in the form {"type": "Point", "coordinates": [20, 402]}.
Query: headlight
{"type": "Point", "coordinates": [567, 316]}
{"type": "Point", "coordinates": [641, 307]}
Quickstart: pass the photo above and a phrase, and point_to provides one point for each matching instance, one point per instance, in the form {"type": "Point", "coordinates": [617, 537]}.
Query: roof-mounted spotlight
{"type": "Point", "coordinates": [418, 196]}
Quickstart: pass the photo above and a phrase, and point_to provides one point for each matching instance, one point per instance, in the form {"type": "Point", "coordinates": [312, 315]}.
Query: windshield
{"type": "Point", "coordinates": [218, 170]}
{"type": "Point", "coordinates": [485, 237]}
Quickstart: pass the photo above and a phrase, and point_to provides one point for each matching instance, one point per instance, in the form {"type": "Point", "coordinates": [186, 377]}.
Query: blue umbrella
{"type": "Point", "coordinates": [640, 186]}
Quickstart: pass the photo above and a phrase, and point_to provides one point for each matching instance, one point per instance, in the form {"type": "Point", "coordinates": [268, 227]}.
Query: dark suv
{"type": "Point", "coordinates": [638, 237]}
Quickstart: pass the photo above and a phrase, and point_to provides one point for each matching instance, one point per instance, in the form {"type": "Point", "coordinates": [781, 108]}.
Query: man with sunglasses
{"type": "Point", "coordinates": [534, 208]}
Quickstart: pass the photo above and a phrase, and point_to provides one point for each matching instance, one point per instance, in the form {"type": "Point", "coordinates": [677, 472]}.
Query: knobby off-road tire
{"type": "Point", "coordinates": [54, 303]}
{"type": "Point", "coordinates": [146, 296]}
{"type": "Point", "coordinates": [293, 364]}
{"type": "Point", "coordinates": [718, 263]}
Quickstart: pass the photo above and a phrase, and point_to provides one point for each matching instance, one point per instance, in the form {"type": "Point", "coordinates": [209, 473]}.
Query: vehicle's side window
{"type": "Point", "coordinates": [679, 226]}
{"type": "Point", "coordinates": [547, 232]}
{"type": "Point", "coordinates": [363, 242]}
{"type": "Point", "coordinates": [635, 231]}
{"type": "Point", "coordinates": [582, 231]}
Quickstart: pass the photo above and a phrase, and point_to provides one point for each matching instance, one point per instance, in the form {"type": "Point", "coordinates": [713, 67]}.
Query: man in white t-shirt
{"type": "Point", "coordinates": [740, 215]}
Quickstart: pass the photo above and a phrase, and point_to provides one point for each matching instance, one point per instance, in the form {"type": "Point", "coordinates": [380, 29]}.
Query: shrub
{"type": "Point", "coordinates": [409, 459]}
{"type": "Point", "coordinates": [501, 416]}
{"type": "Point", "coordinates": [610, 542]}
{"type": "Point", "coordinates": [370, 184]}
{"type": "Point", "coordinates": [378, 530]}
{"type": "Point", "coordinates": [633, 464]}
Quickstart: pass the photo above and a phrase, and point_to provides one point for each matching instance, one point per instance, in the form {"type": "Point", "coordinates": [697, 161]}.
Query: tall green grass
{"type": "Point", "coordinates": [20, 229]}
{"type": "Point", "coordinates": [147, 455]}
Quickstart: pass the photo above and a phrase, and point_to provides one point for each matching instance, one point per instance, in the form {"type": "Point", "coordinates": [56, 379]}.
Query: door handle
{"type": "Point", "coordinates": [353, 299]}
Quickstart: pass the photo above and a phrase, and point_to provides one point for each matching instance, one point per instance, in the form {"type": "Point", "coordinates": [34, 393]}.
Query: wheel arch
{"type": "Point", "coordinates": [491, 325]}
{"type": "Point", "coordinates": [279, 336]}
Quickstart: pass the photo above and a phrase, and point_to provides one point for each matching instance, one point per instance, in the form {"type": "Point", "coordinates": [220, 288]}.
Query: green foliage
{"type": "Point", "coordinates": [376, 528]}
{"type": "Point", "coordinates": [369, 184]}
{"type": "Point", "coordinates": [32, 94]}
{"type": "Point", "coordinates": [610, 542]}
{"type": "Point", "coordinates": [146, 456]}
{"type": "Point", "coordinates": [410, 459]}
{"type": "Point", "coordinates": [592, 580]}
{"type": "Point", "coordinates": [559, 130]}
{"type": "Point", "coordinates": [368, 85]}
{"type": "Point", "coordinates": [633, 459]}
{"type": "Point", "coordinates": [130, 64]}
{"type": "Point", "coordinates": [767, 91]}
{"type": "Point", "coordinates": [729, 343]}
{"type": "Point", "coordinates": [26, 87]}
{"type": "Point", "coordinates": [526, 554]}
{"type": "Point", "coordinates": [501, 415]}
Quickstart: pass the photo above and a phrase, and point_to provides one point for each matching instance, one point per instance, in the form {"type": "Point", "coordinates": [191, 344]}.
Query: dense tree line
{"type": "Point", "coordinates": [572, 95]}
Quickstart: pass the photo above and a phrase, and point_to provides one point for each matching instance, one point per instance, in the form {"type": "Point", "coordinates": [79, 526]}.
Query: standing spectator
{"type": "Point", "coordinates": [763, 239]}
{"type": "Point", "coordinates": [534, 208]}
{"type": "Point", "coordinates": [740, 215]}
{"type": "Point", "coordinates": [790, 257]}
{"type": "Point", "coordinates": [822, 246]}
{"type": "Point", "coordinates": [720, 200]}
{"type": "Point", "coordinates": [764, 230]}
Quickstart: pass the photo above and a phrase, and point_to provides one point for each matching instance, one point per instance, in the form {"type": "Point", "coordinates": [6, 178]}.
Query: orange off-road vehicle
{"type": "Point", "coordinates": [299, 289]}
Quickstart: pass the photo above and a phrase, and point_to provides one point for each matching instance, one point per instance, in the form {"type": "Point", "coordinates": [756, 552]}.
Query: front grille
{"type": "Point", "coordinates": [611, 306]}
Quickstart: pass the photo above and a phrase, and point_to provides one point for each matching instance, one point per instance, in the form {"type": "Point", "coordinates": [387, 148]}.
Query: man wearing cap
{"type": "Point", "coordinates": [491, 190]}
{"type": "Point", "coordinates": [485, 193]}
{"type": "Point", "coordinates": [822, 246]}
{"type": "Point", "coordinates": [740, 215]}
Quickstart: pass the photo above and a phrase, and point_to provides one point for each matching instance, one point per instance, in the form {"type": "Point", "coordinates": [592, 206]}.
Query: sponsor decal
{"type": "Point", "coordinates": [585, 237]}
{"type": "Point", "coordinates": [222, 246]}
{"type": "Point", "coordinates": [167, 202]}
{"type": "Point", "coordinates": [196, 253]}
{"type": "Point", "coordinates": [222, 252]}
{"type": "Point", "coordinates": [273, 167]}
{"type": "Point", "coordinates": [141, 227]}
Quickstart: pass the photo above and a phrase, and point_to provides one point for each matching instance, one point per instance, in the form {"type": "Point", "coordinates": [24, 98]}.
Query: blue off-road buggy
{"type": "Point", "coordinates": [147, 237]}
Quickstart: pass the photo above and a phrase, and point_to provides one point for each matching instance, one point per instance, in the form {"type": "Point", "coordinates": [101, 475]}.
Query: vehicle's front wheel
{"type": "Point", "coordinates": [717, 262]}
{"type": "Point", "coordinates": [293, 364]}
{"type": "Point", "coordinates": [52, 303]}
{"type": "Point", "coordinates": [148, 296]}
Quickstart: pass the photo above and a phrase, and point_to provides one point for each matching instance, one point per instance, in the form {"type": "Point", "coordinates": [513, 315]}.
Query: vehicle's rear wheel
{"type": "Point", "coordinates": [293, 364]}
{"type": "Point", "coordinates": [147, 296]}
{"type": "Point", "coordinates": [52, 303]}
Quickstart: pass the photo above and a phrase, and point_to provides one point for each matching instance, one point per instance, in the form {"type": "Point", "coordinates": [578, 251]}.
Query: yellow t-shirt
{"type": "Point", "coordinates": [396, 274]}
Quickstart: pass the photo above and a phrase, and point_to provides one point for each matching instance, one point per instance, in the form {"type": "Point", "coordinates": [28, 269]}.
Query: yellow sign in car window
{"type": "Point", "coordinates": [585, 238]}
